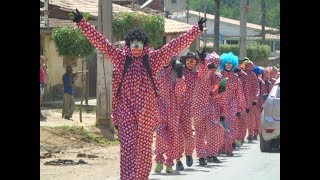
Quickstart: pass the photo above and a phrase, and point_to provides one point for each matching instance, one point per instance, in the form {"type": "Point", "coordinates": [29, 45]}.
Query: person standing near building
{"type": "Point", "coordinates": [68, 79]}
{"type": "Point", "coordinates": [42, 84]}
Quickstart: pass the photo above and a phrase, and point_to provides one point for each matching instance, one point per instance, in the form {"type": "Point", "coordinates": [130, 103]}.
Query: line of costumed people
{"type": "Point", "coordinates": [200, 102]}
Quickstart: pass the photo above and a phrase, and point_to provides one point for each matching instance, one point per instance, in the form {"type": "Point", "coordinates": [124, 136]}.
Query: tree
{"type": "Point", "coordinates": [216, 26]}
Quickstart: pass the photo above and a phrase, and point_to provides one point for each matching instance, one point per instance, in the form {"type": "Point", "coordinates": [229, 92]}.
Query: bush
{"type": "Point", "coordinates": [254, 52]}
{"type": "Point", "coordinates": [152, 25]}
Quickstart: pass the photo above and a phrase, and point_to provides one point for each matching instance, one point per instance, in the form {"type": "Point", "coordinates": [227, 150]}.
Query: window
{"type": "Point", "coordinates": [174, 1]}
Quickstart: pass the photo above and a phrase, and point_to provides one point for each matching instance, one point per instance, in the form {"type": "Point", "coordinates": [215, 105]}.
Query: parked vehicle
{"type": "Point", "coordinates": [270, 120]}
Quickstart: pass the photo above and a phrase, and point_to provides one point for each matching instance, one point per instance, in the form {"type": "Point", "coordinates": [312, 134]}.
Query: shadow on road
{"type": "Point", "coordinates": [190, 169]}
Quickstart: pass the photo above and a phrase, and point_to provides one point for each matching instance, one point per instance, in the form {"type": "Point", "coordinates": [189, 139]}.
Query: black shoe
{"type": "Point", "coordinates": [250, 140]}
{"type": "Point", "coordinates": [255, 137]}
{"type": "Point", "coordinates": [230, 154]}
{"type": "Point", "coordinates": [189, 160]}
{"type": "Point", "coordinates": [179, 166]}
{"type": "Point", "coordinates": [215, 159]}
{"type": "Point", "coordinates": [222, 151]}
{"type": "Point", "coordinates": [209, 159]}
{"type": "Point", "coordinates": [234, 145]}
{"type": "Point", "coordinates": [242, 142]}
{"type": "Point", "coordinates": [202, 162]}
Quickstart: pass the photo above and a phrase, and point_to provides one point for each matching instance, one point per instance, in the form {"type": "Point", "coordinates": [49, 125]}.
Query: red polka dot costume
{"type": "Point", "coordinates": [215, 131]}
{"type": "Point", "coordinates": [252, 92]}
{"type": "Point", "coordinates": [186, 138]}
{"type": "Point", "coordinates": [242, 128]}
{"type": "Point", "coordinates": [200, 107]}
{"type": "Point", "coordinates": [274, 75]}
{"type": "Point", "coordinates": [234, 97]}
{"type": "Point", "coordinates": [170, 88]}
{"type": "Point", "coordinates": [136, 112]}
{"type": "Point", "coordinates": [265, 87]}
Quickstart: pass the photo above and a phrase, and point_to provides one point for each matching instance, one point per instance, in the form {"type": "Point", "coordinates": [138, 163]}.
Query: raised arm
{"type": "Point", "coordinates": [99, 41]}
{"type": "Point", "coordinates": [160, 56]}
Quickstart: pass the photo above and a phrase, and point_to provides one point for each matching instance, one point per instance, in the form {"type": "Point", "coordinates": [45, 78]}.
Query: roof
{"type": "Point", "coordinates": [91, 6]}
{"type": "Point", "coordinates": [267, 36]}
{"type": "Point", "coordinates": [53, 22]}
{"type": "Point", "coordinates": [231, 21]}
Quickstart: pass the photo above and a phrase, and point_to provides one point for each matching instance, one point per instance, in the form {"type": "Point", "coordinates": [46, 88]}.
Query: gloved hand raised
{"type": "Point", "coordinates": [200, 23]}
{"type": "Point", "coordinates": [77, 16]}
{"type": "Point", "coordinates": [202, 55]}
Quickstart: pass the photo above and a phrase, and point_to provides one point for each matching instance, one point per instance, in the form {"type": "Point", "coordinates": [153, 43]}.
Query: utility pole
{"type": "Point", "coordinates": [46, 13]}
{"type": "Point", "coordinates": [104, 68]}
{"type": "Point", "coordinates": [205, 24]}
{"type": "Point", "coordinates": [263, 21]}
{"type": "Point", "coordinates": [187, 6]}
{"type": "Point", "coordinates": [243, 29]}
{"type": "Point", "coordinates": [216, 26]}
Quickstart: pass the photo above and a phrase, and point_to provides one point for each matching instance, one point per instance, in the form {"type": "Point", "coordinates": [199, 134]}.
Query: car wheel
{"type": "Point", "coordinates": [265, 146]}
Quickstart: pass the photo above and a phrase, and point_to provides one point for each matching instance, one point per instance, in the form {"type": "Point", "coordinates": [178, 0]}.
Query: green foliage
{"type": "Point", "coordinates": [152, 25]}
{"type": "Point", "coordinates": [231, 9]}
{"type": "Point", "coordinates": [70, 41]}
{"type": "Point", "coordinates": [254, 52]}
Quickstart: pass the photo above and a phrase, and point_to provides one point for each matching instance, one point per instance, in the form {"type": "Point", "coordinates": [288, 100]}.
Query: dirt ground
{"type": "Point", "coordinates": [59, 140]}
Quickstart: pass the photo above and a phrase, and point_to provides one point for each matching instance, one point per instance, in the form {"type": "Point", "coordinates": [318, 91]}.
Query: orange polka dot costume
{"type": "Point", "coordinates": [136, 110]}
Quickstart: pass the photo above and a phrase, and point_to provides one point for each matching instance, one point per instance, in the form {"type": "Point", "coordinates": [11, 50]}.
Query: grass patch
{"type": "Point", "coordinates": [82, 131]}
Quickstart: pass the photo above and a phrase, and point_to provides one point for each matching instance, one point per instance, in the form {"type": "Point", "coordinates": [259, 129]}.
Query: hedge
{"type": "Point", "coordinates": [254, 52]}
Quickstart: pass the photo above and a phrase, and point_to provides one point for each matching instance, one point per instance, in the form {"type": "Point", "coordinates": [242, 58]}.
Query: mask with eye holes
{"type": "Point", "coordinates": [190, 60]}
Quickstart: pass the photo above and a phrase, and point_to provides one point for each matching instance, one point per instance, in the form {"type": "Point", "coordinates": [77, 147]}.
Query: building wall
{"type": "Point", "coordinates": [226, 29]}
{"type": "Point", "coordinates": [55, 63]}
{"type": "Point", "coordinates": [179, 7]}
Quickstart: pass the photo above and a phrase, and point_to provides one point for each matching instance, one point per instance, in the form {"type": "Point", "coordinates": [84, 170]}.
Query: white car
{"type": "Point", "coordinates": [270, 120]}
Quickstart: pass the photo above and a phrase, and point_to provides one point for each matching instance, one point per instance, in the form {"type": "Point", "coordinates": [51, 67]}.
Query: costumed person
{"type": "Point", "coordinates": [200, 106]}
{"type": "Point", "coordinates": [242, 128]}
{"type": "Point", "coordinates": [170, 82]}
{"type": "Point", "coordinates": [207, 100]}
{"type": "Point", "coordinates": [252, 92]}
{"type": "Point", "coordinates": [186, 138]}
{"type": "Point", "coordinates": [258, 70]}
{"type": "Point", "coordinates": [235, 101]}
{"type": "Point", "coordinates": [273, 76]}
{"type": "Point", "coordinates": [137, 114]}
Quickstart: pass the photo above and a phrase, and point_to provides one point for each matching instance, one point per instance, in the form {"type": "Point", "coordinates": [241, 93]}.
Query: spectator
{"type": "Point", "coordinates": [42, 84]}
{"type": "Point", "coordinates": [68, 79]}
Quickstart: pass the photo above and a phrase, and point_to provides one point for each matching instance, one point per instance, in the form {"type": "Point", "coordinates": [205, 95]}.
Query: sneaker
{"type": "Point", "coordinates": [230, 154]}
{"type": "Point", "coordinates": [189, 160]}
{"type": "Point", "coordinates": [179, 166]}
{"type": "Point", "coordinates": [169, 169]}
{"type": "Point", "coordinates": [215, 159]}
{"type": "Point", "coordinates": [158, 168]}
{"type": "Point", "coordinates": [202, 162]}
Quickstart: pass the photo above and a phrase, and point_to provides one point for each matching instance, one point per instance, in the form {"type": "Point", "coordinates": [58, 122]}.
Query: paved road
{"type": "Point", "coordinates": [247, 164]}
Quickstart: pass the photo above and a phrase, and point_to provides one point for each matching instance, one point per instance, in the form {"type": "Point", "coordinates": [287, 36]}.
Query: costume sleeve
{"type": "Point", "coordinates": [100, 42]}
{"type": "Point", "coordinates": [256, 88]}
{"type": "Point", "coordinates": [160, 56]}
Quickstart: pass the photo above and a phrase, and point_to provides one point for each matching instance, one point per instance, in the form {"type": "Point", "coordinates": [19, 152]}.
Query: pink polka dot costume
{"type": "Point", "coordinates": [136, 109]}
{"type": "Point", "coordinates": [252, 92]}
{"type": "Point", "coordinates": [242, 128]}
{"type": "Point", "coordinates": [170, 88]}
{"type": "Point", "coordinates": [234, 97]}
